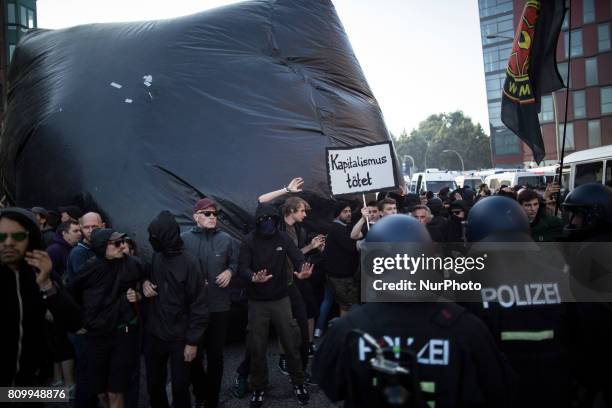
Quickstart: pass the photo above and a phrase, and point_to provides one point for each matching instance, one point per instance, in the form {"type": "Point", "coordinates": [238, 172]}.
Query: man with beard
{"type": "Point", "coordinates": [176, 312]}
{"type": "Point", "coordinates": [263, 258]}
{"type": "Point", "coordinates": [26, 292]}
{"type": "Point", "coordinates": [106, 288]}
{"type": "Point", "coordinates": [341, 257]}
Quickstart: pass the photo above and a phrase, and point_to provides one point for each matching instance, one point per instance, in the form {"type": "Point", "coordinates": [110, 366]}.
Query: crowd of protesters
{"type": "Point", "coordinates": [72, 280]}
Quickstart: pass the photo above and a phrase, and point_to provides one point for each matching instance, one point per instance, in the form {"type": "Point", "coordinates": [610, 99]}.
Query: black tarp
{"type": "Point", "coordinates": [228, 103]}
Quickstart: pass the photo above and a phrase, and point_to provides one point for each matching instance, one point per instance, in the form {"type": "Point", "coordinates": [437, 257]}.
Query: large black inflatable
{"type": "Point", "coordinates": [132, 118]}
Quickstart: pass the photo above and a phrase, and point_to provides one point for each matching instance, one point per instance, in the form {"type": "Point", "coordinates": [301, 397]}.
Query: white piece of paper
{"type": "Point", "coordinates": [116, 85]}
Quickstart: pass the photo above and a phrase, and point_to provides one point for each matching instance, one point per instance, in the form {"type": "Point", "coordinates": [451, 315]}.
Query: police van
{"type": "Point", "coordinates": [515, 178]}
{"type": "Point", "coordinates": [433, 180]}
{"type": "Point", "coordinates": [588, 166]}
{"type": "Point", "coordinates": [468, 180]}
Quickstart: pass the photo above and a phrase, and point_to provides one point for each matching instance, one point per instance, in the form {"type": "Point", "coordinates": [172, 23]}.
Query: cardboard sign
{"type": "Point", "coordinates": [361, 169]}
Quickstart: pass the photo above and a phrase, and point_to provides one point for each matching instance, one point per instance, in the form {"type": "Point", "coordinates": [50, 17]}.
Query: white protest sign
{"type": "Point", "coordinates": [361, 169]}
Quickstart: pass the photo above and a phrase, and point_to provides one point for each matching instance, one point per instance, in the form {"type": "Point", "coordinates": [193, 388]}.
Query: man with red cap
{"type": "Point", "coordinates": [217, 253]}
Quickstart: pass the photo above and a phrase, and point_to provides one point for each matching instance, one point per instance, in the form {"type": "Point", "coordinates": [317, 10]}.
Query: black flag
{"type": "Point", "coordinates": [532, 71]}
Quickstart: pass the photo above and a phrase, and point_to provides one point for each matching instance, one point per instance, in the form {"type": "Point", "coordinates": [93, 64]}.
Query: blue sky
{"type": "Point", "coordinates": [419, 58]}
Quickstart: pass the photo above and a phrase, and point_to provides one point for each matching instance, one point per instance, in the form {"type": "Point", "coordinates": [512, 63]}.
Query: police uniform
{"type": "Point", "coordinates": [458, 363]}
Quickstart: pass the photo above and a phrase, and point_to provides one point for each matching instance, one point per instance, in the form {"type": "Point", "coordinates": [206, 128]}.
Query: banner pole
{"type": "Point", "coordinates": [367, 217]}
{"type": "Point", "coordinates": [567, 90]}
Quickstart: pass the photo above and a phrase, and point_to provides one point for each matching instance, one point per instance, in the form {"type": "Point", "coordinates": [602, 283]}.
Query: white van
{"type": "Point", "coordinates": [587, 166]}
{"type": "Point", "coordinates": [515, 178]}
{"type": "Point", "coordinates": [470, 181]}
{"type": "Point", "coordinates": [433, 180]}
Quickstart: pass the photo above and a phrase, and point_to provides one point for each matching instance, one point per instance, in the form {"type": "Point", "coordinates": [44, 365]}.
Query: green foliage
{"type": "Point", "coordinates": [453, 131]}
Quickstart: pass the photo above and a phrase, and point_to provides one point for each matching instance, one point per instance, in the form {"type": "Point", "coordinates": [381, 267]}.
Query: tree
{"type": "Point", "coordinates": [453, 131]}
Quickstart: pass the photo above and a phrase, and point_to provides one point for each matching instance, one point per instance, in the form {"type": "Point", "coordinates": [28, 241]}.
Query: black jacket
{"type": "Point", "coordinates": [22, 351]}
{"type": "Point", "coordinates": [101, 288]}
{"type": "Point", "coordinates": [458, 364]}
{"type": "Point", "coordinates": [216, 251]}
{"type": "Point", "coordinates": [341, 256]}
{"type": "Point", "coordinates": [258, 252]}
{"type": "Point", "coordinates": [179, 311]}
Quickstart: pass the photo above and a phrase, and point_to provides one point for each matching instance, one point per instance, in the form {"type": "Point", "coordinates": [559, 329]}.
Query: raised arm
{"type": "Point", "coordinates": [295, 186]}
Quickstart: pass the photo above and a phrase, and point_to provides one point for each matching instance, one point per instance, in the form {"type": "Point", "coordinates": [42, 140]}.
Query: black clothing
{"type": "Point", "coordinates": [21, 354]}
{"type": "Point", "coordinates": [456, 355]}
{"type": "Point", "coordinates": [438, 228]}
{"type": "Point", "coordinates": [179, 311]}
{"type": "Point", "coordinates": [341, 257]}
{"type": "Point", "coordinates": [47, 236]}
{"type": "Point", "coordinates": [112, 360]}
{"type": "Point", "coordinates": [270, 252]}
{"type": "Point", "coordinates": [207, 382]}
{"type": "Point", "coordinates": [101, 290]}
{"type": "Point", "coordinates": [157, 353]}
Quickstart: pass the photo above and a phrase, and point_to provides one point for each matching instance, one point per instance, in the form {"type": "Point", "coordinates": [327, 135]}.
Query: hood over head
{"type": "Point", "coordinates": [165, 233]}
{"type": "Point", "coordinates": [27, 219]}
{"type": "Point", "coordinates": [269, 225]}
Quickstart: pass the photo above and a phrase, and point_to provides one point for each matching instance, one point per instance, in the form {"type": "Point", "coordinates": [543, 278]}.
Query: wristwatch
{"type": "Point", "coordinates": [48, 290]}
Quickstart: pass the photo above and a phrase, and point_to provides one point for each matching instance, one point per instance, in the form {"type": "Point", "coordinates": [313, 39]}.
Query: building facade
{"type": "Point", "coordinates": [589, 116]}
{"type": "Point", "coordinates": [17, 17]}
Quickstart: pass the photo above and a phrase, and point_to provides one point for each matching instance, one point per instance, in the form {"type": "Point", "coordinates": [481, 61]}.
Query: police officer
{"type": "Point", "coordinates": [588, 210]}
{"type": "Point", "coordinates": [521, 301]}
{"type": "Point", "coordinates": [457, 361]}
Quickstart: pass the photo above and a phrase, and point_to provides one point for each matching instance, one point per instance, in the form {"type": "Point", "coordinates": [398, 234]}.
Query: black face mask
{"type": "Point", "coordinates": [267, 227]}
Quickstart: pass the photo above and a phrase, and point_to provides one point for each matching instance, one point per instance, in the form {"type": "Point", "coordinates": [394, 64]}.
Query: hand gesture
{"type": "Point", "coordinates": [551, 189]}
{"type": "Point", "coordinates": [306, 271]}
{"type": "Point", "coordinates": [133, 296]}
{"type": "Point", "coordinates": [295, 186]}
{"type": "Point", "coordinates": [261, 276]}
{"type": "Point", "coordinates": [458, 196]}
{"type": "Point", "coordinates": [190, 352]}
{"type": "Point", "coordinates": [224, 278]}
{"type": "Point", "coordinates": [41, 261]}
{"type": "Point", "coordinates": [148, 289]}
{"type": "Point", "coordinates": [317, 242]}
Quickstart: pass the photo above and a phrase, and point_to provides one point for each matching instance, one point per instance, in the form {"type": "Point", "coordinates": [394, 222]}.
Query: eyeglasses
{"type": "Point", "coordinates": [118, 243]}
{"type": "Point", "coordinates": [208, 213]}
{"type": "Point", "coordinates": [16, 236]}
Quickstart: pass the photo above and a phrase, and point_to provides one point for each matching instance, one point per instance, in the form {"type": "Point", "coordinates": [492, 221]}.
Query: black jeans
{"type": "Point", "coordinates": [157, 353]}
{"type": "Point", "coordinates": [207, 382]}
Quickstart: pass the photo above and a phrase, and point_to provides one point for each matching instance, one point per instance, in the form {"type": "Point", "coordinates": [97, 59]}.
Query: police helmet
{"type": "Point", "coordinates": [398, 228]}
{"type": "Point", "coordinates": [593, 201]}
{"type": "Point", "coordinates": [496, 215]}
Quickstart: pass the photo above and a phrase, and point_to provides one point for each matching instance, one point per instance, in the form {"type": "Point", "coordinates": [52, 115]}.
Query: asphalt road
{"type": "Point", "coordinates": [279, 395]}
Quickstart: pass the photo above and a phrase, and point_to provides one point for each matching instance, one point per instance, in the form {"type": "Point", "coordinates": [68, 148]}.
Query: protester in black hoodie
{"type": "Point", "coordinates": [176, 312]}
{"type": "Point", "coordinates": [262, 262]}
{"type": "Point", "coordinates": [106, 287]}
{"type": "Point", "coordinates": [26, 292]}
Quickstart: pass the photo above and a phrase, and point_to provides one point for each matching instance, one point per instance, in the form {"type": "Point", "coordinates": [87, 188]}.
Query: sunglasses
{"type": "Point", "coordinates": [16, 236]}
{"type": "Point", "coordinates": [208, 213]}
{"type": "Point", "coordinates": [265, 218]}
{"type": "Point", "coordinates": [118, 243]}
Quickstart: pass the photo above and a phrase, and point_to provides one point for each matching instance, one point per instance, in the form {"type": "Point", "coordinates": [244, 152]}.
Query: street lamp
{"type": "Point", "coordinates": [458, 155]}
{"type": "Point", "coordinates": [407, 156]}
